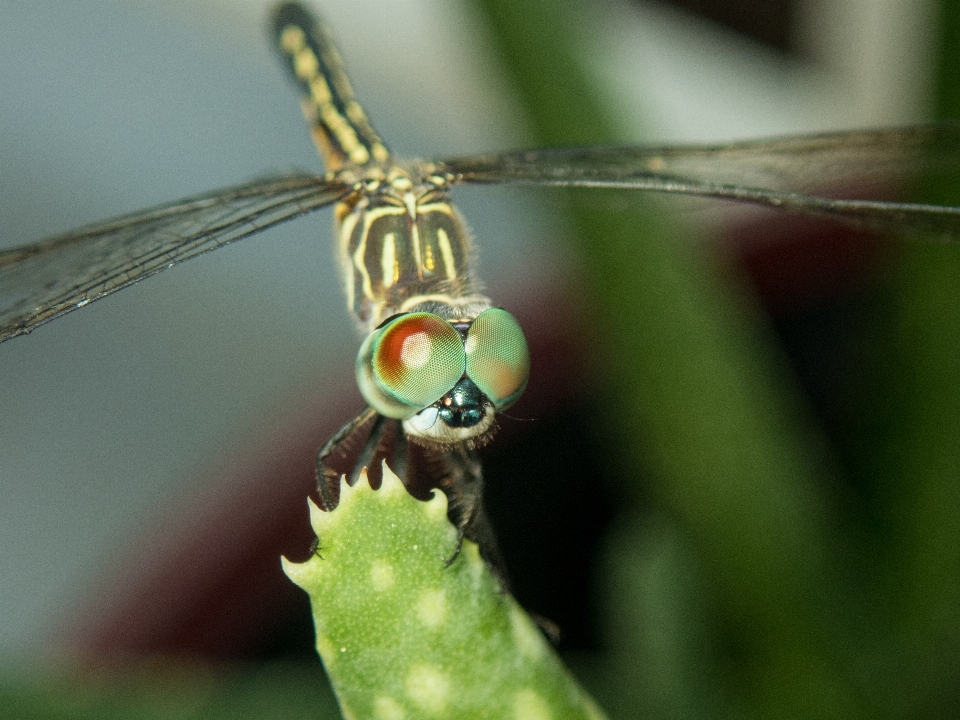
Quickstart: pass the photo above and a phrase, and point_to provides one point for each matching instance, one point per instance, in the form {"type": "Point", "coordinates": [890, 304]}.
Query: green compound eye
{"type": "Point", "coordinates": [498, 359]}
{"type": "Point", "coordinates": [409, 363]}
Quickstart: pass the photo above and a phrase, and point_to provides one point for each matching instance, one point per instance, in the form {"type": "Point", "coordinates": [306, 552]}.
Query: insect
{"type": "Point", "coordinates": [382, 204]}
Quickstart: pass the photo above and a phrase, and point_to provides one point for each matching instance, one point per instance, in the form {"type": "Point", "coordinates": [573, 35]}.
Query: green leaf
{"type": "Point", "coordinates": [405, 633]}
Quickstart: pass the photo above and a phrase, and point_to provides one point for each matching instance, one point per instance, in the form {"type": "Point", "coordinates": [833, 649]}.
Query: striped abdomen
{"type": "Point", "coordinates": [340, 127]}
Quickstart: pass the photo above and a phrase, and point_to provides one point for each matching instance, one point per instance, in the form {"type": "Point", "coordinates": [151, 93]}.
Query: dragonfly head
{"type": "Point", "coordinates": [445, 379]}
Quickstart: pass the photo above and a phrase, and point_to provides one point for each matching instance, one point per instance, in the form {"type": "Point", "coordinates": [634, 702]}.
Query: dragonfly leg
{"type": "Point", "coordinates": [327, 477]}
{"type": "Point", "coordinates": [465, 493]}
{"type": "Point", "coordinates": [370, 447]}
{"type": "Point", "coordinates": [463, 486]}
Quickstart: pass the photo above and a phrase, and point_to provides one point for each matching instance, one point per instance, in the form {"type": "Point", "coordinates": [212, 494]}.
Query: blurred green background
{"type": "Point", "coordinates": [761, 551]}
{"type": "Point", "coordinates": [767, 569]}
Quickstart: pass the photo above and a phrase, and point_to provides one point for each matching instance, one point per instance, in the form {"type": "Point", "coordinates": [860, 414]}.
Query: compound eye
{"type": "Point", "coordinates": [498, 359]}
{"type": "Point", "coordinates": [409, 363]}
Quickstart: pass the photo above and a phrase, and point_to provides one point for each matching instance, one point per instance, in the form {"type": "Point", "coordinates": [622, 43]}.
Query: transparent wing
{"type": "Point", "coordinates": [44, 280]}
{"type": "Point", "coordinates": [839, 174]}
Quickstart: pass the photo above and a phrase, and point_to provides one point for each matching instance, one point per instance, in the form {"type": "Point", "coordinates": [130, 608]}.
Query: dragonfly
{"type": "Point", "coordinates": [439, 361]}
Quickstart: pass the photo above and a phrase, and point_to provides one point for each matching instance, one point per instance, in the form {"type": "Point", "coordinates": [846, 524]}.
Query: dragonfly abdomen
{"type": "Point", "coordinates": [339, 124]}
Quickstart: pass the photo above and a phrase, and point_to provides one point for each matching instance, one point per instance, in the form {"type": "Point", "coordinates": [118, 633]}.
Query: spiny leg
{"type": "Point", "coordinates": [370, 447]}
{"type": "Point", "coordinates": [457, 472]}
{"type": "Point", "coordinates": [463, 486]}
{"type": "Point", "coordinates": [327, 477]}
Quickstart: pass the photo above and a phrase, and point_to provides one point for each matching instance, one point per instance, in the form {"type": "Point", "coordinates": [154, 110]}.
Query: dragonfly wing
{"type": "Point", "coordinates": [839, 174]}
{"type": "Point", "coordinates": [44, 280]}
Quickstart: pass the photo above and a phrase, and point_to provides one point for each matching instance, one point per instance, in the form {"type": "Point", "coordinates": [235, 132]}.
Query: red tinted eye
{"type": "Point", "coordinates": [418, 357]}
{"type": "Point", "coordinates": [406, 344]}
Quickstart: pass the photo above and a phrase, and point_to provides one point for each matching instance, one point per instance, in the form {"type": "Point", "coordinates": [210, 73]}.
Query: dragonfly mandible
{"type": "Point", "coordinates": [44, 280]}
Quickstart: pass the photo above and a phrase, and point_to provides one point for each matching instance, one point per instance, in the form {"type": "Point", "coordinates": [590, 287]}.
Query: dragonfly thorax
{"type": "Point", "coordinates": [400, 238]}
